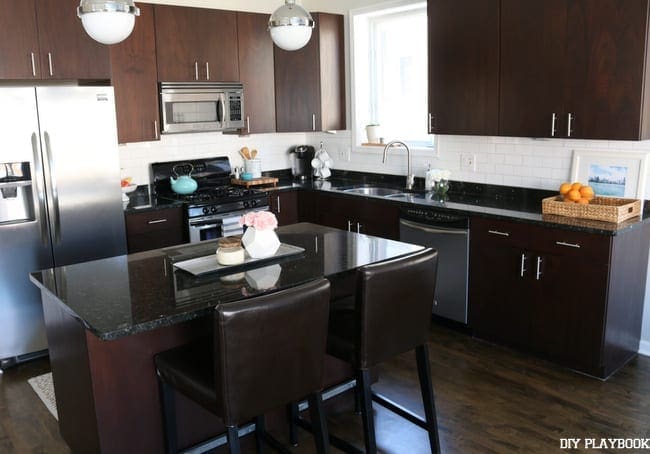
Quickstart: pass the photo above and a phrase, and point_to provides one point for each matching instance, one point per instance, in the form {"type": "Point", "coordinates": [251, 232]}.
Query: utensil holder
{"type": "Point", "coordinates": [254, 167]}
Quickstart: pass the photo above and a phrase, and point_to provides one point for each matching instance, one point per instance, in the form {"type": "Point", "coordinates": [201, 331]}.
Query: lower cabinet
{"type": "Point", "coordinates": [573, 297]}
{"type": "Point", "coordinates": [353, 213]}
{"type": "Point", "coordinates": [154, 229]}
{"type": "Point", "coordinates": [285, 206]}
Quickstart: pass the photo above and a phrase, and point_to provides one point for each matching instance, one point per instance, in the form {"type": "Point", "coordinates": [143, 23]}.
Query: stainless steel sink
{"type": "Point", "coordinates": [377, 191]}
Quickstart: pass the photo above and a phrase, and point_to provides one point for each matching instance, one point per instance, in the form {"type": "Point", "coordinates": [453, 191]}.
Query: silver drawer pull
{"type": "Point", "coordinates": [522, 268]}
{"type": "Point", "coordinates": [157, 221]}
{"type": "Point", "coordinates": [562, 243]}
{"type": "Point", "coordinates": [538, 275]}
{"type": "Point", "coordinates": [496, 232]}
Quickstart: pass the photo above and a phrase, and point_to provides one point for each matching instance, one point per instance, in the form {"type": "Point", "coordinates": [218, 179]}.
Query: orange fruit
{"type": "Point", "coordinates": [583, 201]}
{"type": "Point", "coordinates": [576, 186]}
{"type": "Point", "coordinates": [564, 188]}
{"type": "Point", "coordinates": [587, 192]}
{"type": "Point", "coordinates": [574, 195]}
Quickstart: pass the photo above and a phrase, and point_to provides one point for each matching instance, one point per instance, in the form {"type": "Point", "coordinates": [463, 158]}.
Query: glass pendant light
{"type": "Point", "coordinates": [108, 21]}
{"type": "Point", "coordinates": [290, 26]}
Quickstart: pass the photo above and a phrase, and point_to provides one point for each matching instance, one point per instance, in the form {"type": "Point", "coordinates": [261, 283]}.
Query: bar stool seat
{"type": "Point", "coordinates": [265, 352]}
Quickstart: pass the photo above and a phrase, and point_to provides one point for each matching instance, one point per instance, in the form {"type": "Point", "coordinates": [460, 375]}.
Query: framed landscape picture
{"type": "Point", "coordinates": [611, 173]}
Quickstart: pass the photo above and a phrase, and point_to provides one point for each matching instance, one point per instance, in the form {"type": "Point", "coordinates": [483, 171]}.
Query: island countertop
{"type": "Point", "coordinates": [130, 294]}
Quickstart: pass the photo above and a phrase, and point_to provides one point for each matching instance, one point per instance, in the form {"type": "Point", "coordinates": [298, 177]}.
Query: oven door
{"type": "Point", "coordinates": [188, 112]}
{"type": "Point", "coordinates": [216, 226]}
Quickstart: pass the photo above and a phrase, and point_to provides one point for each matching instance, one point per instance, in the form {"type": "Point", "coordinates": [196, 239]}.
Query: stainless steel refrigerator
{"type": "Point", "coordinates": [60, 198]}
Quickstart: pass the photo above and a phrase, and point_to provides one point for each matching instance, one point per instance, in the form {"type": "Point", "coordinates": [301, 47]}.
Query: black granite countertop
{"type": "Point", "coordinates": [142, 200]}
{"type": "Point", "coordinates": [504, 202]}
{"type": "Point", "coordinates": [125, 295]}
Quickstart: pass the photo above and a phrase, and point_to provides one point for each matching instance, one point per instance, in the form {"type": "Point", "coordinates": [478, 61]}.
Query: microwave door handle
{"type": "Point", "coordinates": [223, 111]}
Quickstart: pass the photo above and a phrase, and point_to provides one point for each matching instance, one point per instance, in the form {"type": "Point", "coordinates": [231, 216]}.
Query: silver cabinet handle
{"type": "Point", "coordinates": [54, 189]}
{"type": "Point", "coordinates": [522, 267]}
{"type": "Point", "coordinates": [196, 70]}
{"type": "Point", "coordinates": [33, 65]}
{"type": "Point", "coordinates": [49, 62]}
{"type": "Point", "coordinates": [157, 221]}
{"type": "Point", "coordinates": [430, 123]}
{"type": "Point", "coordinates": [553, 124]}
{"type": "Point", "coordinates": [278, 199]}
{"type": "Point", "coordinates": [313, 122]}
{"type": "Point", "coordinates": [573, 245]}
{"type": "Point", "coordinates": [248, 125]}
{"type": "Point", "coordinates": [38, 178]}
{"type": "Point", "coordinates": [155, 129]}
{"type": "Point", "coordinates": [569, 131]}
{"type": "Point", "coordinates": [207, 70]}
{"type": "Point", "coordinates": [538, 275]}
{"type": "Point", "coordinates": [349, 226]}
{"type": "Point", "coordinates": [496, 232]}
{"type": "Point", "coordinates": [359, 227]}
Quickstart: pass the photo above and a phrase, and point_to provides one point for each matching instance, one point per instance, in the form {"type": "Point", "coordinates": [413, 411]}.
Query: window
{"type": "Point", "coordinates": [390, 72]}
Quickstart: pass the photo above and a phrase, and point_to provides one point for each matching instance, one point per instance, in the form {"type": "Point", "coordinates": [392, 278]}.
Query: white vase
{"type": "Point", "coordinates": [260, 243]}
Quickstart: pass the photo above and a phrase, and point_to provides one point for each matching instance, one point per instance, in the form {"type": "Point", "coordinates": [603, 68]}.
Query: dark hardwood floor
{"type": "Point", "coordinates": [489, 399]}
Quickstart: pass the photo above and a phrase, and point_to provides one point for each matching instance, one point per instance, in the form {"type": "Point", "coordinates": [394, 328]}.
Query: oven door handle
{"type": "Point", "coordinates": [202, 226]}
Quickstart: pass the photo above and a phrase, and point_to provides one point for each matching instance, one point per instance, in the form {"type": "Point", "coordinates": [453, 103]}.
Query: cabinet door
{"type": "Point", "coordinates": [463, 66]}
{"type": "Point", "coordinates": [533, 48]}
{"type": "Point", "coordinates": [218, 39]}
{"type": "Point", "coordinates": [606, 55]}
{"type": "Point", "coordinates": [285, 206]}
{"type": "Point", "coordinates": [256, 72]}
{"type": "Point", "coordinates": [332, 72]}
{"type": "Point", "coordinates": [134, 77]}
{"type": "Point", "coordinates": [67, 52]}
{"type": "Point", "coordinates": [19, 56]}
{"type": "Point", "coordinates": [154, 229]}
{"type": "Point", "coordinates": [297, 87]}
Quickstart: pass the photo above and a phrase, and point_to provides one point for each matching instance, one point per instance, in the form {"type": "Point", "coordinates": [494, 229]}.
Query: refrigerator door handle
{"type": "Point", "coordinates": [38, 174]}
{"type": "Point", "coordinates": [51, 179]}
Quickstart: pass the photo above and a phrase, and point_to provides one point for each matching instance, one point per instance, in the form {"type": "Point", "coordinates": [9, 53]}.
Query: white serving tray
{"type": "Point", "coordinates": [209, 264]}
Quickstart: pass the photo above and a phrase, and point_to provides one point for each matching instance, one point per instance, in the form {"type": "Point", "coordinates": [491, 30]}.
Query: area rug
{"type": "Point", "coordinates": [44, 389]}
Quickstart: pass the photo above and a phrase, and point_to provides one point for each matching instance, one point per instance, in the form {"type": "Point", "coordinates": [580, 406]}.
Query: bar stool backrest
{"type": "Point", "coordinates": [269, 350]}
{"type": "Point", "coordinates": [395, 300]}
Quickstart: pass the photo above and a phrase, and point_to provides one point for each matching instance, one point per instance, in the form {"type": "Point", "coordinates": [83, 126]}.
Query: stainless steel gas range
{"type": "Point", "coordinates": [214, 209]}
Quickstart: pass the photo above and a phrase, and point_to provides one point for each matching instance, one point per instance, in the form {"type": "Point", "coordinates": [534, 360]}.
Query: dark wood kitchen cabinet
{"type": "Point", "coordinates": [354, 213]}
{"type": "Point", "coordinates": [310, 82]}
{"type": "Point", "coordinates": [66, 50]}
{"type": "Point", "coordinates": [154, 229]}
{"type": "Point", "coordinates": [256, 72]}
{"type": "Point", "coordinates": [574, 68]}
{"type": "Point", "coordinates": [575, 298]}
{"type": "Point", "coordinates": [463, 66]}
{"type": "Point", "coordinates": [44, 39]}
{"type": "Point", "coordinates": [196, 44]}
{"type": "Point", "coordinates": [284, 204]}
{"type": "Point", "coordinates": [135, 80]}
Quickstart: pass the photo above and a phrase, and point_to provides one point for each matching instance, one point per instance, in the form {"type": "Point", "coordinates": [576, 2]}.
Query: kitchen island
{"type": "Point", "coordinates": [106, 320]}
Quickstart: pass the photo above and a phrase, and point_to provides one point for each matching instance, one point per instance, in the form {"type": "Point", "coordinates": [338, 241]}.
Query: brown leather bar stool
{"type": "Point", "coordinates": [266, 351]}
{"type": "Point", "coordinates": [389, 315]}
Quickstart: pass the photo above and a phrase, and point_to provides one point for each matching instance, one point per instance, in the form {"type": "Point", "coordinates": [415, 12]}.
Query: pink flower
{"type": "Point", "coordinates": [261, 220]}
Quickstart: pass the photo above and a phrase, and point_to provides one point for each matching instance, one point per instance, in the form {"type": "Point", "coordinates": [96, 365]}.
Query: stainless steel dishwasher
{"type": "Point", "coordinates": [449, 235]}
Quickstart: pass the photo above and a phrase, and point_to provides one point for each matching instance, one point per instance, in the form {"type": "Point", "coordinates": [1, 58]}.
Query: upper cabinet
{"type": "Point", "coordinates": [256, 72]}
{"type": "Point", "coordinates": [44, 39]}
{"type": "Point", "coordinates": [196, 44]}
{"type": "Point", "coordinates": [135, 80]}
{"type": "Point", "coordinates": [566, 68]}
{"type": "Point", "coordinates": [463, 66]}
{"type": "Point", "coordinates": [310, 82]}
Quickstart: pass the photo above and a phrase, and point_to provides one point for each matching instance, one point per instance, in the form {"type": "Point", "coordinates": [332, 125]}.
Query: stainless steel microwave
{"type": "Point", "coordinates": [201, 106]}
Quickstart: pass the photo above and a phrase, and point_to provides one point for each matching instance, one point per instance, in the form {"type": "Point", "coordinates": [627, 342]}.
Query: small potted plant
{"type": "Point", "coordinates": [372, 131]}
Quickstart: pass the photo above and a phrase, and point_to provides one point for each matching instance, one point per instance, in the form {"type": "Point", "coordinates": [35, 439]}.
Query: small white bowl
{"type": "Point", "coordinates": [129, 189]}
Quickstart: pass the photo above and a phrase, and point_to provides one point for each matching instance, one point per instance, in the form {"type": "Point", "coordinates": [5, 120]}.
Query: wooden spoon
{"type": "Point", "coordinates": [245, 153]}
{"type": "Point", "coordinates": [253, 154]}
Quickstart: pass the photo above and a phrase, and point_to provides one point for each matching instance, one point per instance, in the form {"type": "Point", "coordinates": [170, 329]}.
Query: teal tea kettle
{"type": "Point", "coordinates": [183, 184]}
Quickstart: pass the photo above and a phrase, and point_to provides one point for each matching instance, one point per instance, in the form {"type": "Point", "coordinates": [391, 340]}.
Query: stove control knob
{"type": "Point", "coordinates": [254, 203]}
{"type": "Point", "coordinates": [213, 210]}
{"type": "Point", "coordinates": [206, 210]}
{"type": "Point", "coordinates": [246, 204]}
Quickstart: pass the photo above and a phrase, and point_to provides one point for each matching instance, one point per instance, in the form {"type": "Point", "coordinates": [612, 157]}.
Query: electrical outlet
{"type": "Point", "coordinates": [344, 154]}
{"type": "Point", "coordinates": [468, 162]}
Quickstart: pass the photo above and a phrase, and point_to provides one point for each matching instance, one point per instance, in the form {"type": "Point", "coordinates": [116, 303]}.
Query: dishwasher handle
{"type": "Point", "coordinates": [433, 229]}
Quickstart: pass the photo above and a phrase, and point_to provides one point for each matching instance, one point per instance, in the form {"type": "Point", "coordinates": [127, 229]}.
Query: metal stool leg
{"type": "Point", "coordinates": [319, 423]}
{"type": "Point", "coordinates": [366, 411]}
{"type": "Point", "coordinates": [233, 440]}
{"type": "Point", "coordinates": [292, 411]}
{"type": "Point", "coordinates": [260, 432]}
{"type": "Point", "coordinates": [168, 404]}
{"type": "Point", "coordinates": [424, 373]}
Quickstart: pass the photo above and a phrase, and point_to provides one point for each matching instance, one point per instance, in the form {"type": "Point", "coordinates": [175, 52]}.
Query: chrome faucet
{"type": "Point", "coordinates": [410, 178]}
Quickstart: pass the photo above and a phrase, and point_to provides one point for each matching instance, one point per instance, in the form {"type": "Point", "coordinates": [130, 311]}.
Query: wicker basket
{"type": "Point", "coordinates": [608, 209]}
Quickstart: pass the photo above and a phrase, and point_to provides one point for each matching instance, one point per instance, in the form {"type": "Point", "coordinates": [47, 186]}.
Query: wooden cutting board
{"type": "Point", "coordinates": [255, 181]}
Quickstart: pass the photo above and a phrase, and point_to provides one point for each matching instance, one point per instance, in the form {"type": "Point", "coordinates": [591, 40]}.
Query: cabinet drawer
{"type": "Point", "coordinates": [499, 232]}
{"type": "Point", "coordinates": [567, 243]}
{"type": "Point", "coordinates": [152, 221]}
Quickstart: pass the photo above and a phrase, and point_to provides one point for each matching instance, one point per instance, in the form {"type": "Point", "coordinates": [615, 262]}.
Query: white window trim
{"type": "Point", "coordinates": [358, 133]}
